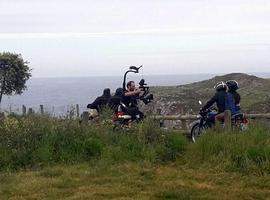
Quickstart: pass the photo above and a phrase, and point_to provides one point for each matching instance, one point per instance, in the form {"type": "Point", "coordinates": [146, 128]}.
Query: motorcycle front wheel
{"type": "Point", "coordinates": [196, 132]}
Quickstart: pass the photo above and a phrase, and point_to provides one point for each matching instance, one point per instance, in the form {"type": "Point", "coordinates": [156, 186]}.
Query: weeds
{"type": "Point", "coordinates": [246, 152]}
{"type": "Point", "coordinates": [35, 141]}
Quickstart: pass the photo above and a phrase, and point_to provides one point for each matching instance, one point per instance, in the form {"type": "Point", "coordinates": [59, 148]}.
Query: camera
{"type": "Point", "coordinates": [146, 98]}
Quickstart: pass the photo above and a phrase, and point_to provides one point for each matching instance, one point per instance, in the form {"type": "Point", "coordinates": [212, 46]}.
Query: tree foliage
{"type": "Point", "coordinates": [14, 72]}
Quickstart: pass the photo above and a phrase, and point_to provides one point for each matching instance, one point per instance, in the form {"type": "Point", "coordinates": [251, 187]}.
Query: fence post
{"type": "Point", "coordinates": [85, 117]}
{"type": "Point", "coordinates": [77, 110]}
{"type": "Point", "coordinates": [30, 111]}
{"type": "Point", "coordinates": [227, 120]}
{"type": "Point", "coordinates": [184, 124]}
{"type": "Point", "coordinates": [41, 109]}
{"type": "Point", "coordinates": [24, 110]}
{"type": "Point", "coordinates": [2, 115]}
{"type": "Point", "coordinates": [161, 122]}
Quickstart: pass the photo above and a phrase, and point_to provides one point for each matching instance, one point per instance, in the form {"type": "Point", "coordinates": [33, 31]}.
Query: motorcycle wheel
{"type": "Point", "coordinates": [196, 132]}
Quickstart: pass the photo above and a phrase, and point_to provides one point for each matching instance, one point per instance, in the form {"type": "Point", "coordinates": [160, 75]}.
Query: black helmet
{"type": "Point", "coordinates": [220, 86]}
{"type": "Point", "coordinates": [232, 85]}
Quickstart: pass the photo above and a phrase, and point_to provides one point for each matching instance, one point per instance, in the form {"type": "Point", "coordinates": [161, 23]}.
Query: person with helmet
{"type": "Point", "coordinates": [219, 98]}
{"type": "Point", "coordinates": [232, 87]}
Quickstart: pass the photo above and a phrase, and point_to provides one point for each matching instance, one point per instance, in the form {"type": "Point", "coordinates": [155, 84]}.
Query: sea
{"type": "Point", "coordinates": [60, 95]}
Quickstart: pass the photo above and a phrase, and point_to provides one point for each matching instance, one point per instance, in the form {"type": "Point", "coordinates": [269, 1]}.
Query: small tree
{"type": "Point", "coordinates": [14, 72]}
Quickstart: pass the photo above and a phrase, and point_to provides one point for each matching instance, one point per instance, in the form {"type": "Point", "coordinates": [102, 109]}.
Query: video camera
{"type": "Point", "coordinates": [146, 97]}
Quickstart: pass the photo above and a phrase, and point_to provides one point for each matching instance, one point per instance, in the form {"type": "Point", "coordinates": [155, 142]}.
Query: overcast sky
{"type": "Point", "coordinates": [103, 37]}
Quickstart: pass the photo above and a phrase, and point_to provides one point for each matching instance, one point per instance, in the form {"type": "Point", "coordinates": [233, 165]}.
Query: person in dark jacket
{"type": "Point", "coordinates": [219, 98]}
{"type": "Point", "coordinates": [115, 100]}
{"type": "Point", "coordinates": [101, 101]}
{"type": "Point", "coordinates": [232, 87]}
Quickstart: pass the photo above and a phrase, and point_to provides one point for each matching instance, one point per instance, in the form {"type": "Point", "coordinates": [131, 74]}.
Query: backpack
{"type": "Point", "coordinates": [230, 103]}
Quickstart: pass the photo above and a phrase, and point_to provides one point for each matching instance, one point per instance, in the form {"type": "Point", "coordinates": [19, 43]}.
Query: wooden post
{"type": "Point", "coordinates": [24, 110]}
{"type": "Point", "coordinates": [227, 120]}
{"type": "Point", "coordinates": [183, 121]}
{"type": "Point", "coordinates": [85, 117]}
{"type": "Point", "coordinates": [2, 115]}
{"type": "Point", "coordinates": [41, 110]}
{"type": "Point", "coordinates": [184, 124]}
{"type": "Point", "coordinates": [161, 121]}
{"type": "Point", "coordinates": [77, 110]}
{"type": "Point", "coordinates": [30, 111]}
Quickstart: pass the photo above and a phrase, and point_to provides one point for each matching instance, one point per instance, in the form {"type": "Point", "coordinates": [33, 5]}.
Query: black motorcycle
{"type": "Point", "coordinates": [207, 120]}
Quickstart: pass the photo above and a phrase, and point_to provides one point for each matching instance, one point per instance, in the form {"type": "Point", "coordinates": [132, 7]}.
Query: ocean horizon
{"type": "Point", "coordinates": [58, 95]}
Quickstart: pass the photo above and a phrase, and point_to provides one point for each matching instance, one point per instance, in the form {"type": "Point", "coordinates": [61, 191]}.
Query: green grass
{"type": "Point", "coordinates": [45, 158]}
{"type": "Point", "coordinates": [29, 142]}
{"type": "Point", "coordinates": [130, 180]}
{"type": "Point", "coordinates": [245, 152]}
{"type": "Point", "coordinates": [34, 142]}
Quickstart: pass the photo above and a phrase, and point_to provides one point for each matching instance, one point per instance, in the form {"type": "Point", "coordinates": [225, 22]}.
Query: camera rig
{"type": "Point", "coordinates": [145, 97]}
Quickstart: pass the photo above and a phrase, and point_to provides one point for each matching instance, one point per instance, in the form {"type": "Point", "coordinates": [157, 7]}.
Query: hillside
{"type": "Point", "coordinates": [254, 91]}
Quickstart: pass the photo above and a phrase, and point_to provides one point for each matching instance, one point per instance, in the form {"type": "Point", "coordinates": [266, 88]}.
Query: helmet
{"type": "Point", "coordinates": [220, 86]}
{"type": "Point", "coordinates": [232, 85]}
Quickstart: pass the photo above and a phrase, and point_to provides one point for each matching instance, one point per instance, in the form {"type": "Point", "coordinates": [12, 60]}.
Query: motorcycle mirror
{"type": "Point", "coordinates": [200, 102]}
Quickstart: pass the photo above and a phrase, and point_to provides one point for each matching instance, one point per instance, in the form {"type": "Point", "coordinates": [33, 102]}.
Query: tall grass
{"type": "Point", "coordinates": [247, 152]}
{"type": "Point", "coordinates": [36, 141]}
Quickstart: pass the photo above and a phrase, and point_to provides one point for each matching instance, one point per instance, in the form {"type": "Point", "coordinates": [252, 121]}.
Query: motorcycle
{"type": "Point", "coordinates": [123, 118]}
{"type": "Point", "coordinates": [207, 120]}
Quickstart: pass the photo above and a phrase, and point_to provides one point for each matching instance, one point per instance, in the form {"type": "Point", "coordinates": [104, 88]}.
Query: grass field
{"type": "Point", "coordinates": [131, 180]}
{"type": "Point", "coordinates": [44, 158]}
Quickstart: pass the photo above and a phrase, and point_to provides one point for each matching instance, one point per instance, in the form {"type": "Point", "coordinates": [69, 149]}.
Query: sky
{"type": "Point", "coordinates": [62, 38]}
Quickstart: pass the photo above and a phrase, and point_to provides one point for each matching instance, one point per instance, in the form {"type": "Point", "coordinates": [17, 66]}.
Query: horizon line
{"type": "Point", "coordinates": [186, 74]}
